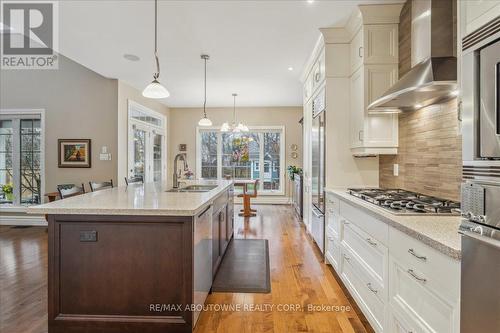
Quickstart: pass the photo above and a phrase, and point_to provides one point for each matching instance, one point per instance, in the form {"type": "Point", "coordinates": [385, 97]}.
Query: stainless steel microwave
{"type": "Point", "coordinates": [481, 101]}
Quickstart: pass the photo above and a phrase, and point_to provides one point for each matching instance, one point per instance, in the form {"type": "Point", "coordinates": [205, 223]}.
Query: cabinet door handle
{"type": "Point", "coordinates": [369, 285]}
{"type": "Point", "coordinates": [330, 238]}
{"type": "Point", "coordinates": [416, 277]}
{"type": "Point", "coordinates": [412, 252]}
{"type": "Point", "coordinates": [317, 77]}
{"type": "Point", "coordinates": [372, 243]}
{"type": "Point", "coordinates": [359, 52]}
{"type": "Point", "coordinates": [347, 258]}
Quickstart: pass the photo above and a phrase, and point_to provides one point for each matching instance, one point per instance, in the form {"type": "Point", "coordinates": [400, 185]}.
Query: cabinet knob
{"type": "Point", "coordinates": [360, 54]}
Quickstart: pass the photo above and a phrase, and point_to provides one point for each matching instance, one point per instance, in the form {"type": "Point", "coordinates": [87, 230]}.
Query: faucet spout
{"type": "Point", "coordinates": [180, 156]}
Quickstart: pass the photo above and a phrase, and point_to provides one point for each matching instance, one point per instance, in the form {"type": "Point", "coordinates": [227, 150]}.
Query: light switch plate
{"type": "Point", "coordinates": [105, 157]}
{"type": "Point", "coordinates": [395, 170]}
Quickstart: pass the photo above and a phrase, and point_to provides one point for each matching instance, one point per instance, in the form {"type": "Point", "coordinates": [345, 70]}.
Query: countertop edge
{"type": "Point", "coordinates": [37, 210]}
{"type": "Point", "coordinates": [438, 246]}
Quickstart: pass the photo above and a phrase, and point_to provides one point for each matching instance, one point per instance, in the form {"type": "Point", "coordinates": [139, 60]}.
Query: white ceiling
{"type": "Point", "coordinates": [251, 45]}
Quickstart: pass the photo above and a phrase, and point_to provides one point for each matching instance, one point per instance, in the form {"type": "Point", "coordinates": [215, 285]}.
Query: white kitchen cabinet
{"type": "Point", "coordinates": [477, 13]}
{"type": "Point", "coordinates": [400, 324]}
{"type": "Point", "coordinates": [356, 51]}
{"type": "Point", "coordinates": [424, 284]}
{"type": "Point", "coordinates": [332, 250]}
{"type": "Point", "coordinates": [374, 69]}
{"type": "Point", "coordinates": [400, 284]}
{"type": "Point", "coordinates": [415, 293]}
{"type": "Point", "coordinates": [363, 290]}
{"type": "Point", "coordinates": [374, 44]}
{"type": "Point", "coordinates": [372, 133]}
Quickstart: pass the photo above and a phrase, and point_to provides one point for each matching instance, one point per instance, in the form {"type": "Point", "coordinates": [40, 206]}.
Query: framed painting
{"type": "Point", "coordinates": [74, 153]}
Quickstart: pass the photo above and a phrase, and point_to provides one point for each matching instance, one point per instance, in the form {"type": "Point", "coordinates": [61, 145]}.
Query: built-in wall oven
{"type": "Point", "coordinates": [318, 169]}
{"type": "Point", "coordinates": [480, 228]}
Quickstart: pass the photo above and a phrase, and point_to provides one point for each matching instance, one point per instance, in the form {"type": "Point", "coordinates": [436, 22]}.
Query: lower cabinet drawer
{"type": "Point", "coordinates": [401, 324]}
{"type": "Point", "coordinates": [370, 251]}
{"type": "Point", "coordinates": [438, 268]}
{"type": "Point", "coordinates": [332, 251]}
{"type": "Point", "coordinates": [364, 293]}
{"type": "Point", "coordinates": [416, 295]}
{"type": "Point", "coordinates": [333, 222]}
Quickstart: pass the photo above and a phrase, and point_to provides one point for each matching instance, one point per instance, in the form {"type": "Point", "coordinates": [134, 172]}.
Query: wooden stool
{"type": "Point", "coordinates": [247, 211]}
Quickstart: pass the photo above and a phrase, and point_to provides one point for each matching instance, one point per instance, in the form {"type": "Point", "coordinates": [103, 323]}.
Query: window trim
{"type": "Point", "coordinates": [149, 128]}
{"type": "Point", "coordinates": [28, 112]}
{"type": "Point", "coordinates": [261, 129]}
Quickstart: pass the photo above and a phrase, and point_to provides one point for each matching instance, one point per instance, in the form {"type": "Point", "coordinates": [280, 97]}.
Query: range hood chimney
{"type": "Point", "coordinates": [434, 79]}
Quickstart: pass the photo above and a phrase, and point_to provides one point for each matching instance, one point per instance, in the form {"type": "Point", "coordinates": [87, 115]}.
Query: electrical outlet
{"type": "Point", "coordinates": [395, 170]}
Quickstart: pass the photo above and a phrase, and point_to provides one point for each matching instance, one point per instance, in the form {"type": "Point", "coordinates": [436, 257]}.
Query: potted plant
{"type": "Point", "coordinates": [292, 170]}
{"type": "Point", "coordinates": [8, 190]}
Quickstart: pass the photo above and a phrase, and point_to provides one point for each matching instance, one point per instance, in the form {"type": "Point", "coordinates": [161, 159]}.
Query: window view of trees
{"type": "Point", "coordinates": [20, 161]}
{"type": "Point", "coordinates": [249, 155]}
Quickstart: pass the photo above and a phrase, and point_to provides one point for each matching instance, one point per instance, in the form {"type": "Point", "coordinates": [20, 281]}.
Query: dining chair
{"type": "Point", "coordinates": [69, 190]}
{"type": "Point", "coordinates": [135, 179]}
{"type": "Point", "coordinates": [247, 210]}
{"type": "Point", "coordinates": [96, 186]}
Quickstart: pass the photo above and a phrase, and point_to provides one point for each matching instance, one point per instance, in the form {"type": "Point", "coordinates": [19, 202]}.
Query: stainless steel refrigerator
{"type": "Point", "coordinates": [480, 228]}
{"type": "Point", "coordinates": [318, 170]}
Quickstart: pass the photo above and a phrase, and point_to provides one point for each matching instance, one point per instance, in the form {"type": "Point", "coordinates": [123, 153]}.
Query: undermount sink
{"type": "Point", "coordinates": [194, 188]}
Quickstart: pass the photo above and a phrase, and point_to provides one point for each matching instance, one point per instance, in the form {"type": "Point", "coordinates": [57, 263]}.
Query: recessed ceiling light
{"type": "Point", "coordinates": [455, 93]}
{"type": "Point", "coordinates": [131, 57]}
{"type": "Point", "coordinates": [418, 106]}
{"type": "Point", "coordinates": [290, 68]}
{"type": "Point", "coordinates": [310, 1]}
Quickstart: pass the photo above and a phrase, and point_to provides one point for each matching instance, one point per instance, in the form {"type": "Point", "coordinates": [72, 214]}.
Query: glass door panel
{"type": "Point", "coordinates": [157, 157]}
{"type": "Point", "coordinates": [30, 161]}
{"type": "Point", "coordinates": [6, 168]}
{"type": "Point", "coordinates": [139, 153]}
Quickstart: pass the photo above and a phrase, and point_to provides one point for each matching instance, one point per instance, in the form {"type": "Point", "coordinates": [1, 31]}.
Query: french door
{"type": "Point", "coordinates": [146, 146]}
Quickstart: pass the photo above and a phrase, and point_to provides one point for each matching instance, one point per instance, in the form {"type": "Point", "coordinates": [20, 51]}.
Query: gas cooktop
{"type": "Point", "coordinates": [402, 202]}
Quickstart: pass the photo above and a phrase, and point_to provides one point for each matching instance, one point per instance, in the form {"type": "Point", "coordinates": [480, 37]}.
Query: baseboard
{"type": "Point", "coordinates": [28, 220]}
{"type": "Point", "coordinates": [266, 200]}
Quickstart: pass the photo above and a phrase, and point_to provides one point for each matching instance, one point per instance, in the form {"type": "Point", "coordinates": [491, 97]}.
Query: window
{"type": "Point", "coordinates": [241, 155]}
{"type": "Point", "coordinates": [21, 144]}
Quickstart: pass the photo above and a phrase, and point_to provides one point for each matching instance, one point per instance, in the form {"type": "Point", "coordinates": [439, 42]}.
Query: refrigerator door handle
{"type": "Point", "coordinates": [317, 213]}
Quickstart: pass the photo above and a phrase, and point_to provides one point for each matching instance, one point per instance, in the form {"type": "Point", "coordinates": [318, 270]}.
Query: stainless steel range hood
{"type": "Point", "coordinates": [433, 80]}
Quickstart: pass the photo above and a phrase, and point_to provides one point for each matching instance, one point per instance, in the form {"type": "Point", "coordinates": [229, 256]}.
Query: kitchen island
{"type": "Point", "coordinates": [137, 258]}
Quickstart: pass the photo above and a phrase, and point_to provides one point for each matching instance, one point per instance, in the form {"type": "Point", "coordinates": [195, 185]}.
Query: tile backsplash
{"type": "Point", "coordinates": [429, 154]}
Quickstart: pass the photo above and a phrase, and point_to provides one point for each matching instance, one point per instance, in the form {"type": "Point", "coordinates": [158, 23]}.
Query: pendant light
{"type": "Point", "coordinates": [233, 127]}
{"type": "Point", "coordinates": [205, 121]}
{"type": "Point", "coordinates": [155, 89]}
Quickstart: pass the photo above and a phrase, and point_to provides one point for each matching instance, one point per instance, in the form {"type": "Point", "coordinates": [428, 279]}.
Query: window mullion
{"type": "Point", "coordinates": [16, 160]}
{"type": "Point", "coordinates": [261, 161]}
{"type": "Point", "coordinates": [219, 155]}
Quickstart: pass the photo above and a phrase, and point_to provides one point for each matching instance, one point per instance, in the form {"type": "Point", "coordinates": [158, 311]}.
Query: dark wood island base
{"type": "Point", "coordinates": [132, 273]}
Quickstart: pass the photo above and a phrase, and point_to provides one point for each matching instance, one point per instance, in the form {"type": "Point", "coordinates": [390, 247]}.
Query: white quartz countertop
{"type": "Point", "coordinates": [439, 232]}
{"type": "Point", "coordinates": [136, 199]}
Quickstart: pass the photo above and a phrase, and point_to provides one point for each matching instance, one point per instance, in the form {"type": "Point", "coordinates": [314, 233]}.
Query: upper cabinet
{"type": "Point", "coordinates": [476, 13]}
{"type": "Point", "coordinates": [374, 69]}
{"type": "Point", "coordinates": [374, 44]}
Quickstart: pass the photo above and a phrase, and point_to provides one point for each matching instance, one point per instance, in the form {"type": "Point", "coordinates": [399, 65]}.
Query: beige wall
{"type": "Point", "coordinates": [126, 93]}
{"type": "Point", "coordinates": [183, 123]}
{"type": "Point", "coordinates": [79, 104]}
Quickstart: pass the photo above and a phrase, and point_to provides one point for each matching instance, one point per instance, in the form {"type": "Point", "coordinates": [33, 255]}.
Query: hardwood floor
{"type": "Point", "coordinates": [23, 280]}
{"type": "Point", "coordinates": [298, 278]}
